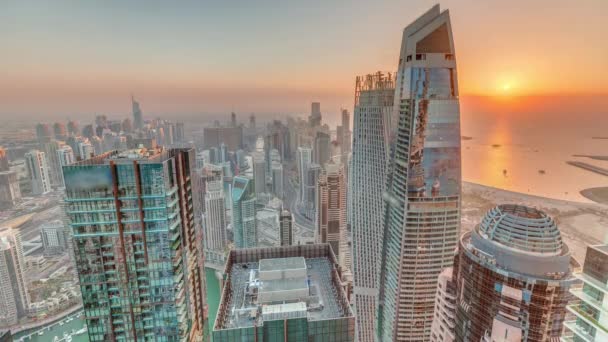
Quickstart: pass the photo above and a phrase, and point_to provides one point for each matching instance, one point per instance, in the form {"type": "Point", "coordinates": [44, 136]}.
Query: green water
{"type": "Point", "coordinates": [213, 295]}
{"type": "Point", "coordinates": [49, 332]}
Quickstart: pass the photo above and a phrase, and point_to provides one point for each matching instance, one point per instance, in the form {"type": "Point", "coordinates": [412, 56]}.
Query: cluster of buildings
{"type": "Point", "coordinates": [387, 260]}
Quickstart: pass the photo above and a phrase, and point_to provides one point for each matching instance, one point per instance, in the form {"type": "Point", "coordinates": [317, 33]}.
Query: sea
{"type": "Point", "coordinates": [527, 152]}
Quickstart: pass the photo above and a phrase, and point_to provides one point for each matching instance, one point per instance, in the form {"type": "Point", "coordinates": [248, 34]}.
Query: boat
{"type": "Point", "coordinates": [61, 323]}
{"type": "Point", "coordinates": [80, 331]}
{"type": "Point", "coordinates": [41, 332]}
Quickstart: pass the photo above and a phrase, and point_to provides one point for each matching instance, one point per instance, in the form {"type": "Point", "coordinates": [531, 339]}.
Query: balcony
{"type": "Point", "coordinates": [585, 316]}
{"type": "Point", "coordinates": [572, 326]}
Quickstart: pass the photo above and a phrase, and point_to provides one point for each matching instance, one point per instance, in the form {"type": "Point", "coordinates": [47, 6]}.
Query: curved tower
{"type": "Point", "coordinates": [513, 278]}
{"type": "Point", "coordinates": [422, 221]}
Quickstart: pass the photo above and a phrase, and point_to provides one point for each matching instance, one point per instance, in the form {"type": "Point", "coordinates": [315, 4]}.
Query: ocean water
{"type": "Point", "coordinates": [525, 143]}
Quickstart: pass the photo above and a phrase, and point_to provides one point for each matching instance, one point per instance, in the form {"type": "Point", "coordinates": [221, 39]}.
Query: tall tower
{"type": "Point", "coordinates": [38, 170]}
{"type": "Point", "coordinates": [331, 211]}
{"type": "Point", "coordinates": [138, 120]}
{"type": "Point", "coordinates": [374, 95]}
{"type": "Point", "coordinates": [65, 156]}
{"type": "Point", "coordinates": [286, 228]}
{"type": "Point", "coordinates": [304, 160]}
{"type": "Point", "coordinates": [215, 215]}
{"type": "Point", "coordinates": [14, 298]}
{"type": "Point", "coordinates": [513, 278]}
{"type": "Point", "coordinates": [243, 212]}
{"type": "Point", "coordinates": [423, 193]}
{"type": "Point", "coordinates": [136, 247]}
{"type": "Point", "coordinates": [314, 120]}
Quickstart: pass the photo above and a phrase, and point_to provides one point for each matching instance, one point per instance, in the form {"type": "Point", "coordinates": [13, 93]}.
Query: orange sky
{"type": "Point", "coordinates": [64, 57]}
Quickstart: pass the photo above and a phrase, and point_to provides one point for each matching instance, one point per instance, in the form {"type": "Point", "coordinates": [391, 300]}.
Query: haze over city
{"type": "Point", "coordinates": [63, 58]}
{"type": "Point", "coordinates": [346, 171]}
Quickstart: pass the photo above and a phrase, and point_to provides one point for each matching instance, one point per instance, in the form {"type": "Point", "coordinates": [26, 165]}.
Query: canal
{"type": "Point", "coordinates": [74, 323]}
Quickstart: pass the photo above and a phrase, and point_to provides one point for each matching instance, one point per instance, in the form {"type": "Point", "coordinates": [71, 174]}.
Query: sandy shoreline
{"type": "Point", "coordinates": [597, 195]}
{"type": "Point", "coordinates": [580, 223]}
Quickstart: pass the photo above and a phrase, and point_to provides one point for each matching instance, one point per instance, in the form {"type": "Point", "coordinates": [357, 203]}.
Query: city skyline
{"type": "Point", "coordinates": [201, 65]}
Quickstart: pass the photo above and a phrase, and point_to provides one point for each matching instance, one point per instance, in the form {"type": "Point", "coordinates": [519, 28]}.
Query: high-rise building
{"type": "Point", "coordinates": [243, 213]}
{"type": "Point", "coordinates": [442, 328]}
{"type": "Point", "coordinates": [4, 163]}
{"type": "Point", "coordinates": [423, 193]}
{"type": "Point", "coordinates": [322, 150]}
{"type": "Point", "coordinates": [331, 210]}
{"type": "Point", "coordinates": [513, 278]}
{"type": "Point", "coordinates": [367, 180]}
{"type": "Point", "coordinates": [138, 119]}
{"type": "Point", "coordinates": [180, 135]}
{"type": "Point", "coordinates": [311, 188]}
{"type": "Point", "coordinates": [38, 170]}
{"type": "Point", "coordinates": [50, 150]}
{"type": "Point", "coordinates": [286, 228]}
{"type": "Point", "coordinates": [343, 133]}
{"type": "Point", "coordinates": [215, 215]}
{"type": "Point", "coordinates": [10, 192]}
{"type": "Point", "coordinates": [54, 236]}
{"type": "Point", "coordinates": [277, 179]}
{"type": "Point", "coordinates": [283, 294]}
{"type": "Point", "coordinates": [72, 128]}
{"type": "Point", "coordinates": [85, 150]}
{"type": "Point", "coordinates": [214, 136]}
{"type": "Point", "coordinates": [43, 132]}
{"type": "Point", "coordinates": [304, 160]}
{"type": "Point", "coordinates": [14, 298]}
{"type": "Point", "coordinates": [59, 131]}
{"type": "Point", "coordinates": [259, 173]}
{"type": "Point", "coordinates": [314, 119]}
{"type": "Point", "coordinates": [591, 312]}
{"type": "Point", "coordinates": [136, 246]}
{"type": "Point", "coordinates": [65, 156]}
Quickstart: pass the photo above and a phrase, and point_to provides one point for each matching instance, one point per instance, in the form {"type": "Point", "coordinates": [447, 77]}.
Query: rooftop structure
{"type": "Point", "coordinates": [294, 290]}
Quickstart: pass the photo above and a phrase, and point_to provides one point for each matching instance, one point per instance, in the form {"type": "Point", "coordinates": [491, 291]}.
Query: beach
{"type": "Point", "coordinates": [581, 224]}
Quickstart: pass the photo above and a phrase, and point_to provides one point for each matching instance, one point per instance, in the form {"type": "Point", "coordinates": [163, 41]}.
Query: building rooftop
{"type": "Point", "coordinates": [281, 283]}
{"type": "Point", "coordinates": [150, 155]}
{"type": "Point", "coordinates": [522, 228]}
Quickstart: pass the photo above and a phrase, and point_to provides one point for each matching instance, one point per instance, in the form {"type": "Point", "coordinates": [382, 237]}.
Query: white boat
{"type": "Point", "coordinates": [81, 331]}
{"type": "Point", "coordinates": [41, 332]}
{"type": "Point", "coordinates": [61, 323]}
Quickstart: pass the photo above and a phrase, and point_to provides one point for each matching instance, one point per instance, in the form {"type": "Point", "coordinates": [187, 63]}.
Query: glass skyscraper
{"type": "Point", "coordinates": [134, 236]}
{"type": "Point", "coordinates": [423, 193]}
{"type": "Point", "coordinates": [243, 213]}
{"type": "Point", "coordinates": [373, 107]}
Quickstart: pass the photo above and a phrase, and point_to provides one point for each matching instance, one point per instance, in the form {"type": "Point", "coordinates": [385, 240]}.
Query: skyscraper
{"type": "Point", "coordinates": [65, 156]}
{"type": "Point", "coordinates": [14, 298]}
{"type": "Point", "coordinates": [136, 247]}
{"type": "Point", "coordinates": [591, 313]}
{"type": "Point", "coordinates": [423, 214]}
{"type": "Point", "coordinates": [286, 228]}
{"type": "Point", "coordinates": [314, 120]}
{"type": "Point", "coordinates": [38, 170]}
{"type": "Point", "coordinates": [331, 210]}
{"type": "Point", "coordinates": [304, 160]}
{"type": "Point", "coordinates": [138, 119]}
{"type": "Point", "coordinates": [215, 215]}
{"type": "Point", "coordinates": [243, 213]}
{"type": "Point", "coordinates": [277, 179]}
{"type": "Point", "coordinates": [321, 153]}
{"type": "Point", "coordinates": [259, 173]}
{"type": "Point", "coordinates": [442, 329]}
{"type": "Point", "coordinates": [513, 278]}
{"type": "Point", "coordinates": [367, 180]}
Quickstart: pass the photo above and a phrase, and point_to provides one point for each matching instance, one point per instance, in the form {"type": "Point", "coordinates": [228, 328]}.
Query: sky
{"type": "Point", "coordinates": [61, 58]}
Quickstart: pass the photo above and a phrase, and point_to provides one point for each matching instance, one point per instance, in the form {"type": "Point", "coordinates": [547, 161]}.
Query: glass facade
{"type": "Point", "coordinates": [135, 251]}
{"type": "Point", "coordinates": [591, 313]}
{"type": "Point", "coordinates": [422, 218]}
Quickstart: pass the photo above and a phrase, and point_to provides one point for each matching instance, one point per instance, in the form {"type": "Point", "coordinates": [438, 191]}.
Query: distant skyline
{"type": "Point", "coordinates": [63, 58]}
